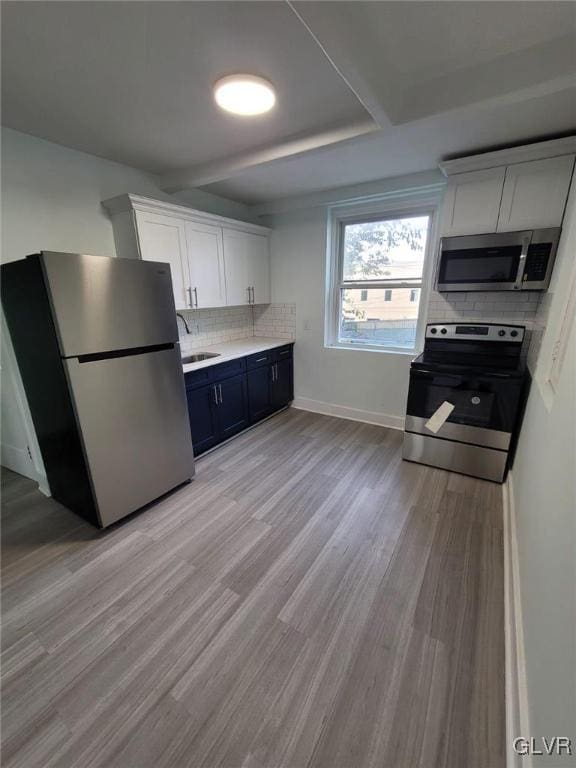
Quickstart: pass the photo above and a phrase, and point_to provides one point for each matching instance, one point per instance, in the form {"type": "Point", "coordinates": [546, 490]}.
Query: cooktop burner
{"type": "Point", "coordinates": [464, 363]}
{"type": "Point", "coordinates": [479, 347]}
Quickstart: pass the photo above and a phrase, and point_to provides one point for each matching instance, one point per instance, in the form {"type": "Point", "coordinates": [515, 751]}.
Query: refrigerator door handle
{"type": "Point", "coordinates": [190, 301]}
{"type": "Point", "coordinates": [196, 297]}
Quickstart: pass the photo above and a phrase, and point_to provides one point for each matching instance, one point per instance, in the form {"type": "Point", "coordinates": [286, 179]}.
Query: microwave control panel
{"type": "Point", "coordinates": [537, 260]}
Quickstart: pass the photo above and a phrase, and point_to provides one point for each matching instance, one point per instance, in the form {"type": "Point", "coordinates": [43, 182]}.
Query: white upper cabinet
{"type": "Point", "coordinates": [260, 269]}
{"type": "Point", "coordinates": [236, 265]}
{"type": "Point", "coordinates": [206, 264]}
{"type": "Point", "coordinates": [472, 202]}
{"type": "Point", "coordinates": [163, 238]}
{"type": "Point", "coordinates": [508, 190]}
{"type": "Point", "coordinates": [247, 265]}
{"type": "Point", "coordinates": [535, 194]}
{"type": "Point", "coordinates": [214, 261]}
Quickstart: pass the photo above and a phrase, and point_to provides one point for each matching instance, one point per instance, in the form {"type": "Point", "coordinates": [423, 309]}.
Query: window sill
{"type": "Point", "coordinates": [372, 348]}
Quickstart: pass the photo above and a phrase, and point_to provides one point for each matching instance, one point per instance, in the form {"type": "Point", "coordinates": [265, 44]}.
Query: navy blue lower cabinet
{"type": "Point", "coordinates": [282, 383]}
{"type": "Point", "coordinates": [232, 409]}
{"type": "Point", "coordinates": [260, 393]}
{"type": "Point", "coordinates": [225, 399]}
{"type": "Point", "coordinates": [202, 411]}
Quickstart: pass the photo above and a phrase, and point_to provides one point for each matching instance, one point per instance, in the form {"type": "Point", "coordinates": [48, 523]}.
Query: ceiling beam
{"type": "Point", "coordinates": [218, 170]}
{"type": "Point", "coordinates": [342, 63]}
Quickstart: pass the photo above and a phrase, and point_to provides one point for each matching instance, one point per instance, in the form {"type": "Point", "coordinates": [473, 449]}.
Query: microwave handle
{"type": "Point", "coordinates": [522, 263]}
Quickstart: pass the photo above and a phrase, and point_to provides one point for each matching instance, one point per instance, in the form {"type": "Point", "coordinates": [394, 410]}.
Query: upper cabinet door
{"type": "Point", "coordinates": [247, 262]}
{"type": "Point", "coordinates": [535, 194]}
{"type": "Point", "coordinates": [472, 202]}
{"type": "Point", "coordinates": [206, 265]}
{"type": "Point", "coordinates": [259, 268]}
{"type": "Point", "coordinates": [163, 238]}
{"type": "Point", "coordinates": [236, 268]}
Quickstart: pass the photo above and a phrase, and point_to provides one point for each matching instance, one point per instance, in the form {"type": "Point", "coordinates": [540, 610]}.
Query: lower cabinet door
{"type": "Point", "coordinates": [232, 406]}
{"type": "Point", "coordinates": [282, 386]}
{"type": "Point", "coordinates": [202, 411]}
{"type": "Point", "coordinates": [259, 392]}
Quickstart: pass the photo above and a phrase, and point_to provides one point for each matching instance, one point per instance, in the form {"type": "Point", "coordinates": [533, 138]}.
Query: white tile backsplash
{"type": "Point", "coordinates": [488, 306]}
{"type": "Point", "coordinates": [277, 320]}
{"type": "Point", "coordinates": [506, 307]}
{"type": "Point", "coordinates": [215, 326]}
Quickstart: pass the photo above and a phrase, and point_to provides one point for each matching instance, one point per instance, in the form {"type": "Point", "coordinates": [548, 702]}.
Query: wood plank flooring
{"type": "Point", "coordinates": [309, 601]}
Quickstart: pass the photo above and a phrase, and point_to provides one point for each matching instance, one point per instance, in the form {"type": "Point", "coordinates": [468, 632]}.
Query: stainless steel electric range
{"type": "Point", "coordinates": [466, 397]}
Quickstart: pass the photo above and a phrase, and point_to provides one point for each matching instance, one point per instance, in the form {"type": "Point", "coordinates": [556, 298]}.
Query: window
{"type": "Point", "coordinates": [377, 275]}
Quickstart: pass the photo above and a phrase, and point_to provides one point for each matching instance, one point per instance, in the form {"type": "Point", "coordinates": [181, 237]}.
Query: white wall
{"type": "Point", "coordinates": [51, 200]}
{"type": "Point", "coordinates": [220, 206]}
{"type": "Point", "coordinates": [544, 489]}
{"type": "Point", "coordinates": [363, 384]}
{"type": "Point", "coordinates": [51, 197]}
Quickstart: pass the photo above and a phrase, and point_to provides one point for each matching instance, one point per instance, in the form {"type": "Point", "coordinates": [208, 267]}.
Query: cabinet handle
{"type": "Point", "coordinates": [261, 359]}
{"type": "Point", "coordinates": [190, 302]}
{"type": "Point", "coordinates": [286, 352]}
{"type": "Point", "coordinates": [215, 394]}
{"type": "Point", "coordinates": [196, 297]}
{"type": "Point", "coordinates": [220, 392]}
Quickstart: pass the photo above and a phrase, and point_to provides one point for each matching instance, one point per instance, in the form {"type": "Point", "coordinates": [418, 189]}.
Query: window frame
{"type": "Point", "coordinates": [397, 207]}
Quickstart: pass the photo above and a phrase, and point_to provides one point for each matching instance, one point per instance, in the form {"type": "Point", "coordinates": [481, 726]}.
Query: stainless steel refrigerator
{"type": "Point", "coordinates": [97, 347]}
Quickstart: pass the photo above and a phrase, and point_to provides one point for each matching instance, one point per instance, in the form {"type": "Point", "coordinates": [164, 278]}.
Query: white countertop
{"type": "Point", "coordinates": [230, 350]}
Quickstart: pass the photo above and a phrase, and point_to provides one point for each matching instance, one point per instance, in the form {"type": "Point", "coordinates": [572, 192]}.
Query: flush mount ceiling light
{"type": "Point", "coordinates": [244, 95]}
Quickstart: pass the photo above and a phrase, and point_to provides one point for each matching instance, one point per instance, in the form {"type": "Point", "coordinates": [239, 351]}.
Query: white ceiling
{"type": "Point", "coordinates": [132, 81]}
{"type": "Point", "coordinates": [365, 89]}
{"type": "Point", "coordinates": [404, 149]}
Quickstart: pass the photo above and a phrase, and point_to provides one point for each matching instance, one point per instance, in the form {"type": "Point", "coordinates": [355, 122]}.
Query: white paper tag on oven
{"type": "Point", "coordinates": [439, 416]}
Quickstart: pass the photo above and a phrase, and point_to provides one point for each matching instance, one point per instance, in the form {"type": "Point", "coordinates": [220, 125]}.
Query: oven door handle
{"type": "Point", "coordinates": [459, 377]}
{"type": "Point", "coordinates": [446, 377]}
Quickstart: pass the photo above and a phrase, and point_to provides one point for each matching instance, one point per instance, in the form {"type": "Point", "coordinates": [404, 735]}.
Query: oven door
{"type": "Point", "coordinates": [483, 262]}
{"type": "Point", "coordinates": [485, 406]}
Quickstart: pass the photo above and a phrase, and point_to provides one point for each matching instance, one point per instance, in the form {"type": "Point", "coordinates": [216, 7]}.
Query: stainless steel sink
{"type": "Point", "coordinates": [200, 356]}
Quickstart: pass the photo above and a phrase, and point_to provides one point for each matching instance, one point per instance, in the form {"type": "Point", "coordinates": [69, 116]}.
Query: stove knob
{"type": "Point", "coordinates": [514, 333]}
{"type": "Point", "coordinates": [433, 330]}
{"type": "Point", "coordinates": [501, 333]}
{"type": "Point", "coordinates": [443, 330]}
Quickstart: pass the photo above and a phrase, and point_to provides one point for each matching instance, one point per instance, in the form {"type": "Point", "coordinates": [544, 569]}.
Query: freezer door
{"type": "Point", "coordinates": [133, 419]}
{"type": "Point", "coordinates": [102, 304]}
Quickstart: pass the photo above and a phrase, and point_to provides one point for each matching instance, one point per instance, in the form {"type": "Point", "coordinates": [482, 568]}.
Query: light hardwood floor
{"type": "Point", "coordinates": [310, 600]}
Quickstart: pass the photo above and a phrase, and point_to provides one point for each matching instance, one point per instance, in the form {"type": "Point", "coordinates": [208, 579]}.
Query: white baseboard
{"type": "Point", "coordinates": [517, 712]}
{"type": "Point", "coordinates": [345, 412]}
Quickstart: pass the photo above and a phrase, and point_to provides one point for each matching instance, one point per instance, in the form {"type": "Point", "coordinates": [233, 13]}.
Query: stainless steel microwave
{"type": "Point", "coordinates": [504, 261]}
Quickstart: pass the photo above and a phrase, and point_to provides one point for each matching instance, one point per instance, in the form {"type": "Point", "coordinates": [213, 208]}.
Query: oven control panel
{"type": "Point", "coordinates": [475, 331]}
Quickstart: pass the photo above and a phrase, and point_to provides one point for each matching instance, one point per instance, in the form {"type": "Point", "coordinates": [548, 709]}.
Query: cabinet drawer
{"type": "Point", "coordinates": [260, 358]}
{"type": "Point", "coordinates": [195, 379]}
{"type": "Point", "coordinates": [282, 353]}
{"type": "Point", "coordinates": [224, 370]}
